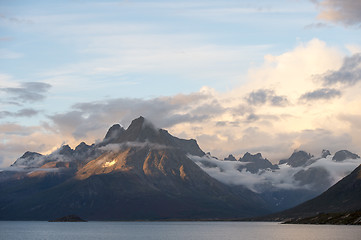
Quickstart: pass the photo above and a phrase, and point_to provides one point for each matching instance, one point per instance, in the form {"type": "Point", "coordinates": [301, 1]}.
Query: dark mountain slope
{"type": "Point", "coordinates": [344, 196]}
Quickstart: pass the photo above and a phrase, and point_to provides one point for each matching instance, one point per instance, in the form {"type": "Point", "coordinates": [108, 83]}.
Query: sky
{"type": "Point", "coordinates": [237, 76]}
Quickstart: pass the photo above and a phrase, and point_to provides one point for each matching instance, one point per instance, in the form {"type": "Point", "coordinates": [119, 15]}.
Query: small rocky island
{"type": "Point", "coordinates": [346, 218]}
{"type": "Point", "coordinates": [69, 218]}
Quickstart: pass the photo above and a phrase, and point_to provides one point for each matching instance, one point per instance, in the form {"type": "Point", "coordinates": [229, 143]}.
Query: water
{"type": "Point", "coordinates": [174, 230]}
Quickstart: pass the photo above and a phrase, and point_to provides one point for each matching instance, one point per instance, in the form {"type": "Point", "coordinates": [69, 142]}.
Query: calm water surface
{"type": "Point", "coordinates": [175, 230]}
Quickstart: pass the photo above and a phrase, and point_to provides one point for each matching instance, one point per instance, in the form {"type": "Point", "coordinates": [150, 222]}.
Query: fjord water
{"type": "Point", "coordinates": [174, 230]}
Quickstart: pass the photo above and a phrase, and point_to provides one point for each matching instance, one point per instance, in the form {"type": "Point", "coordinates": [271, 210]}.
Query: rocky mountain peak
{"type": "Point", "coordinates": [81, 147]}
{"type": "Point", "coordinates": [255, 163]}
{"type": "Point", "coordinates": [247, 157]}
{"type": "Point", "coordinates": [230, 158]}
{"type": "Point", "coordinates": [297, 159]}
{"type": "Point", "coordinates": [29, 154]}
{"type": "Point", "coordinates": [114, 132]}
{"type": "Point", "coordinates": [66, 150]}
{"type": "Point", "coordinates": [28, 159]}
{"type": "Point", "coordinates": [141, 129]}
{"type": "Point", "coordinates": [343, 155]}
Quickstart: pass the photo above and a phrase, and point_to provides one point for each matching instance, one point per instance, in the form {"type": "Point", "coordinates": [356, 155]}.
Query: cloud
{"type": "Point", "coordinates": [282, 178]}
{"type": "Point", "coordinates": [25, 112]}
{"type": "Point", "coordinates": [258, 97]}
{"type": "Point", "coordinates": [316, 26]}
{"type": "Point", "coordinates": [163, 111]}
{"type": "Point", "coordinates": [262, 96]}
{"type": "Point", "coordinates": [15, 20]}
{"type": "Point", "coordinates": [348, 74]}
{"type": "Point", "coordinates": [321, 94]}
{"type": "Point", "coordinates": [247, 118]}
{"type": "Point", "coordinates": [347, 12]}
{"type": "Point", "coordinates": [28, 91]}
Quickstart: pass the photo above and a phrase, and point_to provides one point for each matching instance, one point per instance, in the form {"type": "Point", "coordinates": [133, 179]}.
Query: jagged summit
{"type": "Point", "coordinates": [247, 157]}
{"type": "Point", "coordinates": [255, 163]}
{"type": "Point", "coordinates": [66, 150]}
{"type": "Point", "coordinates": [115, 131]}
{"type": "Point", "coordinates": [141, 130]}
{"type": "Point", "coordinates": [230, 158]}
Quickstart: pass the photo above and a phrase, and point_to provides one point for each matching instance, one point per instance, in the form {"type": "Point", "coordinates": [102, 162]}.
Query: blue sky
{"type": "Point", "coordinates": [236, 75]}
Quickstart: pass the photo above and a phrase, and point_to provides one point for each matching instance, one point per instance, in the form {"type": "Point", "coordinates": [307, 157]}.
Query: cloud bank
{"type": "Point", "coordinates": [283, 178]}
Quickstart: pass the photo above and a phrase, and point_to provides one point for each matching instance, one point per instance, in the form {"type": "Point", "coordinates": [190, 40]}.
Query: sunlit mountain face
{"type": "Point", "coordinates": [143, 172]}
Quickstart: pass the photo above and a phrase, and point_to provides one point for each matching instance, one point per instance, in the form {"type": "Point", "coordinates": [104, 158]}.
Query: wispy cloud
{"type": "Point", "coordinates": [25, 112]}
{"type": "Point", "coordinates": [321, 94]}
{"type": "Point", "coordinates": [28, 91]}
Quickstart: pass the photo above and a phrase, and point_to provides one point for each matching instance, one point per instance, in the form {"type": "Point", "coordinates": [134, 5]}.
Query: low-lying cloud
{"type": "Point", "coordinates": [282, 178]}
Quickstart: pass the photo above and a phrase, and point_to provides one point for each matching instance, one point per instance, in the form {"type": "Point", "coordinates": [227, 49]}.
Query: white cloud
{"type": "Point", "coordinates": [282, 178]}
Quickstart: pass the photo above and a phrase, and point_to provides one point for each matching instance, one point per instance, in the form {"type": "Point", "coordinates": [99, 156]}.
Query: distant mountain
{"type": "Point", "coordinates": [141, 173]}
{"type": "Point", "coordinates": [297, 159]}
{"type": "Point", "coordinates": [344, 196]}
{"type": "Point", "coordinates": [294, 180]}
{"type": "Point", "coordinates": [255, 163]}
{"type": "Point", "coordinates": [344, 154]}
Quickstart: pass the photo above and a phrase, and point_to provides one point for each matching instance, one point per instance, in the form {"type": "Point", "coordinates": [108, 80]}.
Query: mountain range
{"type": "Point", "coordinates": [145, 173]}
{"type": "Point", "coordinates": [284, 185]}
{"type": "Point", "coordinates": [141, 173]}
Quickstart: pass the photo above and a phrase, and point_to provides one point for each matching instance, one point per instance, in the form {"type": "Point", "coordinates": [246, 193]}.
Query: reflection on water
{"type": "Point", "coordinates": [175, 230]}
